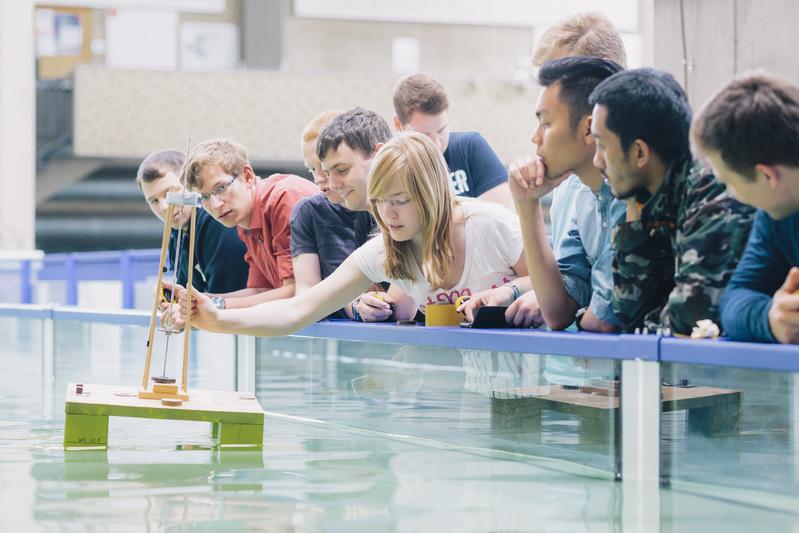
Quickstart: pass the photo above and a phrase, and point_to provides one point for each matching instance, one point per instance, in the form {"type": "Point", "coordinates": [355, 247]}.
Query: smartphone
{"type": "Point", "coordinates": [490, 316]}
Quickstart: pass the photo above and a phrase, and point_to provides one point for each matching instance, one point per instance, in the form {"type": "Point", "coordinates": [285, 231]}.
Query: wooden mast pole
{"type": "Point", "coordinates": [158, 287]}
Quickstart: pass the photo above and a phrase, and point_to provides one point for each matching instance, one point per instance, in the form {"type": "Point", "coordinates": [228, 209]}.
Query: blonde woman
{"type": "Point", "coordinates": [434, 247]}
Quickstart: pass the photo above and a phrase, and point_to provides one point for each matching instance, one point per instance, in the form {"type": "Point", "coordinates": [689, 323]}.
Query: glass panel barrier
{"type": "Point", "coordinates": [733, 430]}
{"type": "Point", "coordinates": [557, 407]}
{"type": "Point", "coordinates": [371, 435]}
{"type": "Point", "coordinates": [115, 354]}
{"type": "Point", "coordinates": [21, 381]}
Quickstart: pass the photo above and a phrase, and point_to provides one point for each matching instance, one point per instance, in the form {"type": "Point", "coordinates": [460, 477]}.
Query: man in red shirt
{"type": "Point", "coordinates": [231, 192]}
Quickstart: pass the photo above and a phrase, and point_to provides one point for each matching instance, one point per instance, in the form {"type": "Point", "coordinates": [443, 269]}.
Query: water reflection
{"type": "Point", "coordinates": [369, 437]}
{"type": "Point", "coordinates": [520, 402]}
{"type": "Point", "coordinates": [748, 441]}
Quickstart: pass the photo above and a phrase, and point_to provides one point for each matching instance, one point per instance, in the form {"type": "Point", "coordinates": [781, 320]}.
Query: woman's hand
{"type": "Point", "coordinates": [375, 306]}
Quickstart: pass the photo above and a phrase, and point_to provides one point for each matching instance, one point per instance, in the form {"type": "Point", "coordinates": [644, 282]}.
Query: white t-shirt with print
{"type": "Point", "coordinates": [493, 247]}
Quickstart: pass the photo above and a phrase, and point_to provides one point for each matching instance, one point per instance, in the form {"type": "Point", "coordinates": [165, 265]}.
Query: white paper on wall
{"type": "Point", "coordinates": [209, 46]}
{"type": "Point", "coordinates": [144, 39]}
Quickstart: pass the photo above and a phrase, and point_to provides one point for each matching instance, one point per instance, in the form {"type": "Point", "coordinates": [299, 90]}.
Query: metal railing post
{"type": "Point", "coordinates": [26, 282]}
{"type": "Point", "coordinates": [126, 277]}
{"type": "Point", "coordinates": [71, 279]}
{"type": "Point", "coordinates": [48, 365]}
{"type": "Point", "coordinates": [640, 429]}
{"type": "Point", "coordinates": [245, 363]}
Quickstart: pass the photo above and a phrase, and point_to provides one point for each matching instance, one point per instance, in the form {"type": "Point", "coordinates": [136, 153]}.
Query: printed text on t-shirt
{"type": "Point", "coordinates": [459, 181]}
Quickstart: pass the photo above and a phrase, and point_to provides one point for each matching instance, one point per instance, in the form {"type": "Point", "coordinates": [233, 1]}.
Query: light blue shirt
{"type": "Point", "coordinates": [561, 211]}
{"type": "Point", "coordinates": [583, 248]}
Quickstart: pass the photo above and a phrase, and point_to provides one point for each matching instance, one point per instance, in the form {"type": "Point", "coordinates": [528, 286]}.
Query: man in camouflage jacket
{"type": "Point", "coordinates": [684, 233]}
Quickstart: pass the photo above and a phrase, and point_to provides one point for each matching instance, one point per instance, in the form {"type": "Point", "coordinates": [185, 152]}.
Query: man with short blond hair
{"type": "Point", "coordinates": [260, 208]}
{"type": "Point", "coordinates": [583, 34]}
{"type": "Point", "coordinates": [421, 105]}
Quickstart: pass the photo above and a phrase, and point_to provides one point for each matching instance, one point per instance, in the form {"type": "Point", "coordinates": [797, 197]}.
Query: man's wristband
{"type": "Point", "coordinates": [515, 289]}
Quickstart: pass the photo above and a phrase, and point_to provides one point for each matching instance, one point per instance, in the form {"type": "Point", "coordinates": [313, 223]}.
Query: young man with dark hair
{"type": "Point", "coordinates": [749, 134]}
{"type": "Point", "coordinates": [683, 233]}
{"type": "Point", "coordinates": [579, 35]}
{"type": "Point", "coordinates": [346, 147]}
{"type": "Point", "coordinates": [323, 232]}
{"type": "Point", "coordinates": [218, 251]}
{"type": "Point", "coordinates": [421, 104]}
{"type": "Point", "coordinates": [578, 275]}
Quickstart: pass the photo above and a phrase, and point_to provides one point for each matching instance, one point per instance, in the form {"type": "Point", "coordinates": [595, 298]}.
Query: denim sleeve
{"type": "Point", "coordinates": [574, 266]}
{"type": "Point", "coordinates": [602, 288]}
{"type": "Point", "coordinates": [602, 272]}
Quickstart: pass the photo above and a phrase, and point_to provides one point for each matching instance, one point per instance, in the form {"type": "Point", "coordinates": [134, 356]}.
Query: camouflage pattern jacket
{"type": "Point", "coordinates": [671, 266]}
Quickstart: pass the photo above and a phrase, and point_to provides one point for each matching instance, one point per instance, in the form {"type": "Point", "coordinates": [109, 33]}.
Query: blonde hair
{"type": "Point", "coordinates": [414, 160]}
{"type": "Point", "coordinates": [228, 154]}
{"type": "Point", "coordinates": [584, 34]}
{"type": "Point", "coordinates": [311, 131]}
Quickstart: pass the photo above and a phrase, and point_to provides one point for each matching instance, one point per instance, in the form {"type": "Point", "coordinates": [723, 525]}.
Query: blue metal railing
{"type": "Point", "coordinates": [784, 358]}
{"type": "Point", "coordinates": [127, 267]}
{"type": "Point", "coordinates": [130, 266]}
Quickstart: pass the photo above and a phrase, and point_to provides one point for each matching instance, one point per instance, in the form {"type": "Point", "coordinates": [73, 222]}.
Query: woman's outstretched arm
{"type": "Point", "coordinates": [282, 317]}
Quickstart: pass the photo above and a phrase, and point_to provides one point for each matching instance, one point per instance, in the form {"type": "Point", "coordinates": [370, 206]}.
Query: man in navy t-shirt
{"type": "Point", "coordinates": [420, 104]}
{"type": "Point", "coordinates": [326, 229]}
{"type": "Point", "coordinates": [749, 134]}
{"type": "Point", "coordinates": [323, 231]}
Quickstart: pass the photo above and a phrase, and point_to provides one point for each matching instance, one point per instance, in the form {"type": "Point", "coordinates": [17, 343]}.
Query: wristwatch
{"type": "Point", "coordinates": [578, 318]}
{"type": "Point", "coordinates": [354, 308]}
{"type": "Point", "coordinates": [218, 302]}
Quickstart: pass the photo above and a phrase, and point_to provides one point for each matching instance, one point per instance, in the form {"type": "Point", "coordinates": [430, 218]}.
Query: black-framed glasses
{"type": "Point", "coordinates": [218, 191]}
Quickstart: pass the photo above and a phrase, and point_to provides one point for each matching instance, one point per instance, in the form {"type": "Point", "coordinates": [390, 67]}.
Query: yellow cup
{"type": "Point", "coordinates": [443, 314]}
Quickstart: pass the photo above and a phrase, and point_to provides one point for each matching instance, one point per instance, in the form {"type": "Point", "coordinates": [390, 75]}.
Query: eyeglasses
{"type": "Point", "coordinates": [395, 203]}
{"type": "Point", "coordinates": [218, 191]}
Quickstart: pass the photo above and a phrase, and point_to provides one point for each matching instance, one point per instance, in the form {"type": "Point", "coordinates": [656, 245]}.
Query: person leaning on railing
{"type": "Point", "coordinates": [431, 245]}
{"type": "Point", "coordinates": [218, 252]}
{"type": "Point", "coordinates": [749, 133]}
{"type": "Point", "coordinates": [683, 234]}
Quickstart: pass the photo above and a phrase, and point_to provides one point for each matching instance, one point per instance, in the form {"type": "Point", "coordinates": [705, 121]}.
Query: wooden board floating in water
{"type": "Point", "coordinates": [237, 417]}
